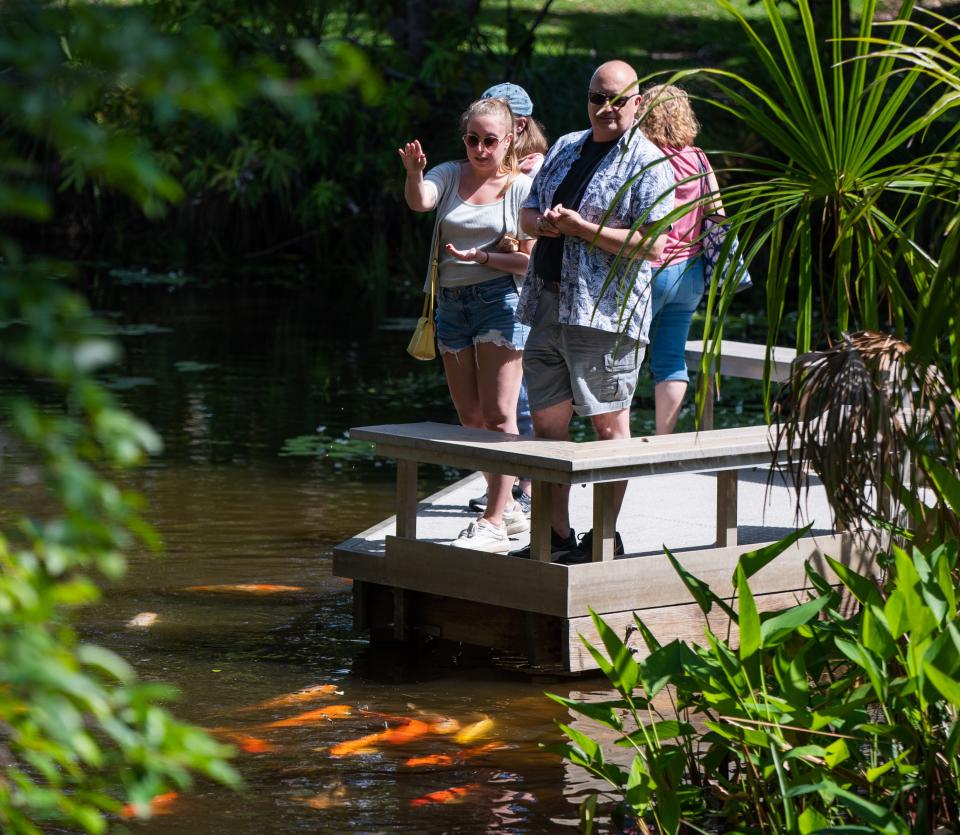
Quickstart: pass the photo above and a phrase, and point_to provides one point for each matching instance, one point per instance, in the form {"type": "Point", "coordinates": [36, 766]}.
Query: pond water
{"type": "Point", "coordinates": [252, 387]}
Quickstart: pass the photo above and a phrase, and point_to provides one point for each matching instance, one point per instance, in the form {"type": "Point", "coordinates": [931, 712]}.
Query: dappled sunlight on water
{"type": "Point", "coordinates": [230, 381]}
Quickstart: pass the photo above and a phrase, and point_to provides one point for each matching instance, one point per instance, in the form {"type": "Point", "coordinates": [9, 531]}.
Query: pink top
{"type": "Point", "coordinates": [682, 242]}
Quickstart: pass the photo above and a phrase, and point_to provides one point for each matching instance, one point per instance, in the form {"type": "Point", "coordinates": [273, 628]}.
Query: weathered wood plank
{"type": "Point", "coordinates": [529, 585]}
{"type": "Point", "coordinates": [745, 359]}
{"type": "Point", "coordinates": [650, 581]}
{"type": "Point", "coordinates": [686, 623]}
{"type": "Point", "coordinates": [572, 463]}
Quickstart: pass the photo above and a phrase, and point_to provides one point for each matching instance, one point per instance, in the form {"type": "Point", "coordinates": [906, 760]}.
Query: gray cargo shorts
{"type": "Point", "coordinates": [595, 369]}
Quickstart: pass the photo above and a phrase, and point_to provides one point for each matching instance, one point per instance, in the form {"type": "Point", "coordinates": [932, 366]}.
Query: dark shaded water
{"type": "Point", "coordinates": [234, 379]}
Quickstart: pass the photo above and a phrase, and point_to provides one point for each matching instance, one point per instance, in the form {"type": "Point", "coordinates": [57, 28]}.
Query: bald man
{"type": "Point", "coordinates": [585, 346]}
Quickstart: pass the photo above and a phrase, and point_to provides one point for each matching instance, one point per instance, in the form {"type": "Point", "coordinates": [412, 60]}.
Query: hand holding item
{"type": "Point", "coordinates": [545, 226]}
{"type": "Point", "coordinates": [567, 221]}
{"type": "Point", "coordinates": [414, 159]}
{"type": "Point", "coordinates": [473, 254]}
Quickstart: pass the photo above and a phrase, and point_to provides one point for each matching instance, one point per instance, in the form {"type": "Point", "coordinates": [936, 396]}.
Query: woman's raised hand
{"type": "Point", "coordinates": [414, 159]}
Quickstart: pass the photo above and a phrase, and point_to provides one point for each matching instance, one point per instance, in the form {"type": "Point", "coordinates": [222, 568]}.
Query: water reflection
{"type": "Point", "coordinates": [227, 376]}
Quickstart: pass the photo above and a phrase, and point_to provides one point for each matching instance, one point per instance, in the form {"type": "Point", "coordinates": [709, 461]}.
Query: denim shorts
{"type": "Point", "coordinates": [595, 369]}
{"type": "Point", "coordinates": [677, 290]}
{"type": "Point", "coordinates": [484, 312]}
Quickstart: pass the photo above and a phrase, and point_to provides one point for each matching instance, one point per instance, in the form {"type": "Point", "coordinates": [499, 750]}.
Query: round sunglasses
{"type": "Point", "coordinates": [471, 140]}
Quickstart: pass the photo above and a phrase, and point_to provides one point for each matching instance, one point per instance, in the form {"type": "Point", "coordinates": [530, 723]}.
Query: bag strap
{"type": "Point", "coordinates": [428, 300]}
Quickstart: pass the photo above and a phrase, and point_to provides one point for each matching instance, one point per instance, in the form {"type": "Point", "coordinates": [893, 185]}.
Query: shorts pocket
{"type": "Point", "coordinates": [621, 358]}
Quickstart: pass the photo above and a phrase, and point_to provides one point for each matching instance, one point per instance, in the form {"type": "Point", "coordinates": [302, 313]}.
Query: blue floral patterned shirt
{"type": "Point", "coordinates": [637, 166]}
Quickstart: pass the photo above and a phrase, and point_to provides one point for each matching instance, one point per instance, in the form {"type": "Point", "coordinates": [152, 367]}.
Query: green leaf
{"type": "Point", "coordinates": [749, 617]}
{"type": "Point", "coordinates": [947, 686]}
{"type": "Point", "coordinates": [862, 588]}
{"type": "Point", "coordinates": [861, 656]}
{"type": "Point", "coordinates": [778, 628]}
{"type": "Point", "coordinates": [624, 671]}
{"type": "Point", "coordinates": [603, 712]}
{"type": "Point", "coordinates": [752, 561]}
{"type": "Point", "coordinates": [656, 733]}
{"type": "Point", "coordinates": [702, 593]}
{"type": "Point", "coordinates": [791, 675]}
{"type": "Point", "coordinates": [811, 821]}
{"type": "Point", "coordinates": [875, 633]}
{"type": "Point", "coordinates": [836, 753]}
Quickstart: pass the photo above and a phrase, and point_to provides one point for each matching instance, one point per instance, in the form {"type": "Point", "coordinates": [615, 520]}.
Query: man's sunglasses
{"type": "Point", "coordinates": [471, 140]}
{"type": "Point", "coordinates": [612, 100]}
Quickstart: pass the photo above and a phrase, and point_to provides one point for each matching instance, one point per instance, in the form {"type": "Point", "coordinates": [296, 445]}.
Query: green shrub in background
{"type": "Point", "coordinates": [79, 735]}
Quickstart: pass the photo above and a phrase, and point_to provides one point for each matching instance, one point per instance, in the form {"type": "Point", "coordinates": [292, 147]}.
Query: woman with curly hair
{"type": "Point", "coordinates": [669, 122]}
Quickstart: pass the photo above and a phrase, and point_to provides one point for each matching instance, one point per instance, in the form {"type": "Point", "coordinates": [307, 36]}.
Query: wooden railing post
{"type": "Point", "coordinates": [541, 508]}
{"type": "Point", "coordinates": [407, 499]}
{"type": "Point", "coordinates": [604, 525]}
{"type": "Point", "coordinates": [726, 508]}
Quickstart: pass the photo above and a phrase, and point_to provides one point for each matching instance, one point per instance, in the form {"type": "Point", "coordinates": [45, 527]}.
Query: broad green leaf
{"type": "Point", "coordinates": [947, 686]}
{"type": "Point", "coordinates": [603, 712]}
{"type": "Point", "coordinates": [875, 633]}
{"type": "Point", "coordinates": [702, 593]}
{"type": "Point", "coordinates": [836, 753]}
{"type": "Point", "coordinates": [640, 786]}
{"type": "Point", "coordinates": [791, 675]}
{"type": "Point", "coordinates": [661, 667]}
{"type": "Point", "coordinates": [625, 672]}
{"type": "Point", "coordinates": [749, 618]}
{"type": "Point", "coordinates": [811, 821]}
{"type": "Point", "coordinates": [778, 628]}
{"type": "Point", "coordinates": [753, 561]}
{"type": "Point", "coordinates": [862, 588]}
{"type": "Point", "coordinates": [657, 732]}
{"type": "Point", "coordinates": [648, 637]}
{"type": "Point", "coordinates": [895, 612]}
{"type": "Point", "coordinates": [861, 656]}
{"type": "Point", "coordinates": [589, 749]}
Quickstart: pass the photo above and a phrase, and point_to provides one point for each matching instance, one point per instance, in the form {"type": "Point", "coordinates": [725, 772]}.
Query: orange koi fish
{"type": "Point", "coordinates": [251, 744]}
{"type": "Point", "coordinates": [308, 694]}
{"type": "Point", "coordinates": [471, 732]}
{"type": "Point", "coordinates": [452, 795]}
{"type": "Point", "coordinates": [244, 588]}
{"type": "Point", "coordinates": [327, 799]}
{"type": "Point", "coordinates": [159, 805]}
{"type": "Point", "coordinates": [456, 758]}
{"type": "Point", "coordinates": [321, 714]}
{"type": "Point", "coordinates": [409, 730]}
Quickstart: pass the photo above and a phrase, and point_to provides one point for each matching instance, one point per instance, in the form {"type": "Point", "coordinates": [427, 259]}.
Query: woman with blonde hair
{"type": "Point", "coordinates": [668, 121]}
{"type": "Point", "coordinates": [478, 204]}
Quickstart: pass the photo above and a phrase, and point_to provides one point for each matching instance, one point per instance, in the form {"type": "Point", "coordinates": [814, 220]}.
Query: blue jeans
{"type": "Point", "coordinates": [483, 312]}
{"type": "Point", "coordinates": [677, 290]}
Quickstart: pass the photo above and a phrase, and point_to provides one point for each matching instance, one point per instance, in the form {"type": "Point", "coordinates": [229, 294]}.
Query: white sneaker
{"type": "Point", "coordinates": [483, 536]}
{"type": "Point", "coordinates": [515, 520]}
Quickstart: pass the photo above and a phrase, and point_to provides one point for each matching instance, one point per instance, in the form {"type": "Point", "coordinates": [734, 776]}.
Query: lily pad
{"type": "Point", "coordinates": [191, 367]}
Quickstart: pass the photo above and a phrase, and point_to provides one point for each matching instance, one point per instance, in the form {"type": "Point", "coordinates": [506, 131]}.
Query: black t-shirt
{"type": "Point", "coordinates": [548, 253]}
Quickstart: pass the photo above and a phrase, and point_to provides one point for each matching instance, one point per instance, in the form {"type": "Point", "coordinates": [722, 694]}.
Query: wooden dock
{"type": "Point", "coordinates": [705, 496]}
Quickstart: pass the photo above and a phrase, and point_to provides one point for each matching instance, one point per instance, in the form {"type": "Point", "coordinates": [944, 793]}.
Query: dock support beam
{"type": "Point", "coordinates": [726, 508]}
{"type": "Point", "coordinates": [407, 499]}
{"type": "Point", "coordinates": [604, 525]}
{"type": "Point", "coordinates": [541, 510]}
